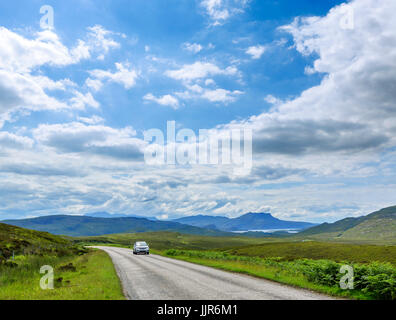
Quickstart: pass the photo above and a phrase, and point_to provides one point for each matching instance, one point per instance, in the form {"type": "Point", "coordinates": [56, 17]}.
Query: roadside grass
{"type": "Point", "coordinates": [372, 281]}
{"type": "Point", "coordinates": [268, 273]}
{"type": "Point", "coordinates": [90, 276]}
{"type": "Point", "coordinates": [289, 251]}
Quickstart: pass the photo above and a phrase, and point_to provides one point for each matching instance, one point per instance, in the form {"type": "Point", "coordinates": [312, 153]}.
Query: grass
{"type": "Point", "coordinates": [16, 241]}
{"type": "Point", "coordinates": [90, 276]}
{"type": "Point", "coordinates": [372, 281]}
{"type": "Point", "coordinates": [320, 250]}
{"type": "Point", "coordinates": [268, 273]}
{"type": "Point", "coordinates": [165, 240]}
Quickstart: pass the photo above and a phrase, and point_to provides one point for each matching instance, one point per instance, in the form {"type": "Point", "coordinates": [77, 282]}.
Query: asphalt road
{"type": "Point", "coordinates": [155, 277]}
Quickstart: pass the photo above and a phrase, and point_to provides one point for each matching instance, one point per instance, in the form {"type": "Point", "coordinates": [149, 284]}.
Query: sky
{"type": "Point", "coordinates": [315, 81]}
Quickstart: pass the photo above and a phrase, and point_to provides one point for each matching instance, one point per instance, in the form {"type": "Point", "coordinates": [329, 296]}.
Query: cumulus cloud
{"type": "Point", "coordinates": [200, 70]}
{"type": "Point", "coordinates": [353, 109]}
{"type": "Point", "coordinates": [13, 141]}
{"type": "Point", "coordinates": [100, 39]}
{"type": "Point", "coordinates": [213, 95]}
{"type": "Point", "coordinates": [221, 95]}
{"type": "Point", "coordinates": [192, 47]}
{"type": "Point", "coordinates": [220, 11]}
{"type": "Point", "coordinates": [125, 75]}
{"type": "Point", "coordinates": [166, 100]}
{"type": "Point", "coordinates": [256, 51]}
{"type": "Point", "coordinates": [100, 140]}
{"type": "Point", "coordinates": [21, 59]}
{"type": "Point", "coordinates": [20, 54]}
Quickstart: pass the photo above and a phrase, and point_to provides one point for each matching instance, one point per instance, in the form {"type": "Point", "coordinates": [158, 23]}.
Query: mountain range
{"type": "Point", "coordinates": [377, 226]}
{"type": "Point", "coordinates": [116, 215]}
{"type": "Point", "coordinates": [91, 226]}
{"type": "Point", "coordinates": [100, 223]}
{"type": "Point", "coordinates": [246, 222]}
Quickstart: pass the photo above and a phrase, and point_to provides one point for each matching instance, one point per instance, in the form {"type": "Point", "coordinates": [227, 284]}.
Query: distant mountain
{"type": "Point", "coordinates": [249, 221]}
{"type": "Point", "coordinates": [116, 215]}
{"type": "Point", "coordinates": [210, 222]}
{"type": "Point", "coordinates": [90, 226]}
{"type": "Point", "coordinates": [377, 226]}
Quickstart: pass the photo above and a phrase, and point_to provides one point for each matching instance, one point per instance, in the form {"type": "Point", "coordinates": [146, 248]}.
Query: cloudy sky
{"type": "Point", "coordinates": [314, 80]}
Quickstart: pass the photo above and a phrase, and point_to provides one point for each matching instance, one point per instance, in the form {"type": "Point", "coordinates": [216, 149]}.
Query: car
{"type": "Point", "coordinates": [141, 247]}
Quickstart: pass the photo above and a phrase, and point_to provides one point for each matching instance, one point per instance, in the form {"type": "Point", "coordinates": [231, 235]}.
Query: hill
{"type": "Point", "coordinates": [18, 240]}
{"type": "Point", "coordinates": [249, 221]}
{"type": "Point", "coordinates": [90, 226]}
{"type": "Point", "coordinates": [377, 226]}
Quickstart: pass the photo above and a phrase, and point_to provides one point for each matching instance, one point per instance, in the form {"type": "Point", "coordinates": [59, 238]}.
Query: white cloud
{"type": "Point", "coordinates": [213, 95]}
{"type": "Point", "coordinates": [221, 95]}
{"type": "Point", "coordinates": [199, 70]}
{"type": "Point", "coordinates": [220, 11]}
{"type": "Point", "coordinates": [256, 51]}
{"type": "Point", "coordinates": [273, 100]}
{"type": "Point", "coordinates": [352, 111]}
{"type": "Point", "coordinates": [94, 84]}
{"type": "Point", "coordinates": [13, 141]}
{"type": "Point", "coordinates": [192, 47]}
{"type": "Point", "coordinates": [19, 54]}
{"type": "Point", "coordinates": [25, 91]}
{"type": "Point", "coordinates": [166, 100]}
{"type": "Point", "coordinates": [124, 75]}
{"type": "Point", "coordinates": [98, 140]}
{"type": "Point", "coordinates": [91, 120]}
{"type": "Point", "coordinates": [80, 100]}
{"type": "Point", "coordinates": [21, 59]}
{"type": "Point", "coordinates": [99, 40]}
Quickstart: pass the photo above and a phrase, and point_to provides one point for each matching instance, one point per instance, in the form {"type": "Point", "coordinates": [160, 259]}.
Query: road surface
{"type": "Point", "coordinates": [155, 277]}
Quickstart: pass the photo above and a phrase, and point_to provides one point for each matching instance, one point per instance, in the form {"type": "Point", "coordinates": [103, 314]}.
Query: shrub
{"type": "Point", "coordinates": [377, 280]}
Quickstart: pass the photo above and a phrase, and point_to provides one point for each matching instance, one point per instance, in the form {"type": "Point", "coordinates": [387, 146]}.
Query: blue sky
{"type": "Point", "coordinates": [76, 99]}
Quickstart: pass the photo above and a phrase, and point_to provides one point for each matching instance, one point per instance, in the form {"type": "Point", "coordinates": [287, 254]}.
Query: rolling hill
{"type": "Point", "coordinates": [90, 226]}
{"type": "Point", "coordinates": [16, 239]}
{"type": "Point", "coordinates": [377, 226]}
{"type": "Point", "coordinates": [249, 221]}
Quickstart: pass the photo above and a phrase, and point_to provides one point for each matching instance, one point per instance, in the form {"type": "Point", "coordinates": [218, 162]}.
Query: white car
{"type": "Point", "coordinates": [141, 247]}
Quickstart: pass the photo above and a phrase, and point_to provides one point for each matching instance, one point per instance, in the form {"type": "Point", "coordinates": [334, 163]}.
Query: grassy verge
{"type": "Point", "coordinates": [373, 281]}
{"type": "Point", "coordinates": [87, 277]}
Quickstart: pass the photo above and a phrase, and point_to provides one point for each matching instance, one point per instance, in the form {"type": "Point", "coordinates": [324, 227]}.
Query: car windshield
{"type": "Point", "coordinates": [141, 243]}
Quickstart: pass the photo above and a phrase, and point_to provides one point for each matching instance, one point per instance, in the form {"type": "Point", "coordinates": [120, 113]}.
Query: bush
{"type": "Point", "coordinates": [376, 280]}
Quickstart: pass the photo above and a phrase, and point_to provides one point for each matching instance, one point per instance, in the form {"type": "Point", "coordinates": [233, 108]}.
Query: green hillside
{"type": "Point", "coordinates": [79, 273]}
{"type": "Point", "coordinates": [15, 240]}
{"type": "Point", "coordinates": [377, 227]}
